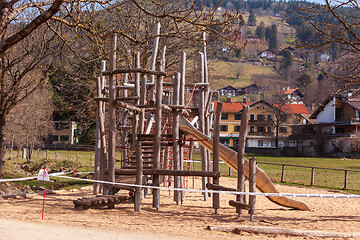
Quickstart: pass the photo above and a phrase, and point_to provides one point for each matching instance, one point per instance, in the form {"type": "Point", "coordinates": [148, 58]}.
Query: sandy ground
{"type": "Point", "coordinates": [21, 218]}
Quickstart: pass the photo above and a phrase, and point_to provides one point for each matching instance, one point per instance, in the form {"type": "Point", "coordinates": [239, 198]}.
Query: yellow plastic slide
{"type": "Point", "coordinates": [229, 156]}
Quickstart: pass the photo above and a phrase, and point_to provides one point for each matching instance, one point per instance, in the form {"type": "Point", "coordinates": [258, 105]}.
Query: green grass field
{"type": "Point", "coordinates": [82, 161]}
{"type": "Point", "coordinates": [224, 73]}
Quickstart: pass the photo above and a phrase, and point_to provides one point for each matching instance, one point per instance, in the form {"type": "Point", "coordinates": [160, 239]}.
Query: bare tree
{"type": "Point", "coordinates": [33, 33]}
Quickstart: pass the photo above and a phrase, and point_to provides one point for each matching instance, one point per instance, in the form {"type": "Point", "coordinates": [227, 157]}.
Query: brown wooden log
{"type": "Point", "coordinates": [220, 188]}
{"type": "Point", "coordinates": [170, 173]}
{"type": "Point", "coordinates": [241, 157]}
{"type": "Point", "coordinates": [216, 158]}
{"type": "Point", "coordinates": [239, 205]}
{"type": "Point", "coordinates": [282, 231]}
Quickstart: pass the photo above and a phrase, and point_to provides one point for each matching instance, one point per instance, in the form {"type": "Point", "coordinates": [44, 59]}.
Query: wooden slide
{"type": "Point", "coordinates": [229, 156]}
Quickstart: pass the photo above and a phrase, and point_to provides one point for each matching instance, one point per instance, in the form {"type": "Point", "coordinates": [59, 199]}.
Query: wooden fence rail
{"type": "Point", "coordinates": [312, 180]}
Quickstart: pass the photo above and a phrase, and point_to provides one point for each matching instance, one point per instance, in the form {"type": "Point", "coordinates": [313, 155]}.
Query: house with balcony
{"type": "Point", "coordinates": [228, 91]}
{"type": "Point", "coordinates": [338, 122]}
{"type": "Point", "coordinates": [269, 125]}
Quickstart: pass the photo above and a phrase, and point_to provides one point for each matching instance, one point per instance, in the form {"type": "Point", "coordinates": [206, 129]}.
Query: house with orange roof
{"type": "Point", "coordinates": [290, 95]}
{"type": "Point", "coordinates": [269, 125]}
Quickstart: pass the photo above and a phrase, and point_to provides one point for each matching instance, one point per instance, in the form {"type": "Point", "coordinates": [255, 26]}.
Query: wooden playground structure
{"type": "Point", "coordinates": [153, 122]}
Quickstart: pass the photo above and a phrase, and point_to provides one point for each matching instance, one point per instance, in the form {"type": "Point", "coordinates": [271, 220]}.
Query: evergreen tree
{"type": "Point", "coordinates": [252, 18]}
{"type": "Point", "coordinates": [260, 30]}
{"type": "Point", "coordinates": [288, 59]}
{"type": "Point", "coordinates": [303, 81]}
{"type": "Point", "coordinates": [271, 37]}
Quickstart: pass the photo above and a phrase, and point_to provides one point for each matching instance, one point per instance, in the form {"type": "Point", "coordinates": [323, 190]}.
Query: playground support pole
{"type": "Point", "coordinates": [241, 161]}
{"type": "Point", "coordinates": [182, 103]}
{"type": "Point", "coordinates": [204, 161]}
{"type": "Point", "coordinates": [139, 162]}
{"type": "Point", "coordinates": [157, 136]}
{"type": "Point", "coordinates": [216, 158]}
{"type": "Point", "coordinates": [176, 137]}
{"type": "Point", "coordinates": [112, 114]}
{"type": "Point", "coordinates": [252, 186]}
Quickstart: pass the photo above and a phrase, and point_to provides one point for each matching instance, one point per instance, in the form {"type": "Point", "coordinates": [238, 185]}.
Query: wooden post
{"type": "Point", "coordinates": [77, 159]}
{"type": "Point", "coordinates": [216, 158]}
{"type": "Point", "coordinates": [46, 155]}
{"type": "Point", "coordinates": [312, 176]}
{"type": "Point", "coordinates": [204, 161]}
{"type": "Point", "coordinates": [252, 186]}
{"type": "Point", "coordinates": [241, 157]}
{"type": "Point", "coordinates": [112, 115]}
{"type": "Point", "coordinates": [101, 119]}
{"type": "Point", "coordinates": [182, 103]}
{"type": "Point", "coordinates": [176, 136]}
{"type": "Point", "coordinates": [191, 150]}
{"type": "Point", "coordinates": [282, 173]}
{"type": "Point", "coordinates": [139, 163]}
{"type": "Point", "coordinates": [157, 129]}
{"type": "Point", "coordinates": [142, 102]}
{"type": "Point", "coordinates": [55, 156]}
{"type": "Point", "coordinates": [346, 179]}
{"type": "Point", "coordinates": [153, 59]}
{"type": "Point", "coordinates": [124, 114]}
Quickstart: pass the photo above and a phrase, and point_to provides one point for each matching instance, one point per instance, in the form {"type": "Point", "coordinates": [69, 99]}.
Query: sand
{"type": "Point", "coordinates": [21, 218]}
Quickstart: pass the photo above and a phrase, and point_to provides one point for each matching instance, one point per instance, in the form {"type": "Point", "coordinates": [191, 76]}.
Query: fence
{"type": "Point", "coordinates": [319, 176]}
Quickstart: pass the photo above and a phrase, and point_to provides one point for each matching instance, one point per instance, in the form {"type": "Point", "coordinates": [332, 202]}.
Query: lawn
{"type": "Point", "coordinates": [224, 73]}
{"type": "Point", "coordinates": [82, 161]}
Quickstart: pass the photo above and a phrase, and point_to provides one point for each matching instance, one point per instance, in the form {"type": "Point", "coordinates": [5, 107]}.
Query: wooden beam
{"type": "Point", "coordinates": [169, 173]}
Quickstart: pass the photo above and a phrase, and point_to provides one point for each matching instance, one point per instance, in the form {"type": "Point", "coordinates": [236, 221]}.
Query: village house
{"type": "Point", "coordinates": [338, 122]}
{"type": "Point", "coordinates": [228, 91]}
{"type": "Point", "coordinates": [290, 95]}
{"type": "Point", "coordinates": [267, 54]}
{"type": "Point", "coordinates": [251, 89]}
{"type": "Point", "coordinates": [269, 125]}
{"type": "Point", "coordinates": [66, 132]}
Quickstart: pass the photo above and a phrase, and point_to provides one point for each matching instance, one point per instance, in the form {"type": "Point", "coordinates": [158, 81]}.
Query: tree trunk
{"type": "Point", "coordinates": [2, 146]}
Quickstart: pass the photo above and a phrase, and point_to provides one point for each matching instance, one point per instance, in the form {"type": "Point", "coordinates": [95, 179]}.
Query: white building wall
{"type": "Point", "coordinates": [328, 114]}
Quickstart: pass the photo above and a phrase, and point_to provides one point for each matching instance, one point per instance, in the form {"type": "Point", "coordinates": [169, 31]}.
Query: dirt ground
{"type": "Point", "coordinates": [187, 221]}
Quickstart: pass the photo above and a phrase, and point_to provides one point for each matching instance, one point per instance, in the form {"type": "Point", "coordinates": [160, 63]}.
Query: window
{"type": "Point", "coordinates": [260, 129]}
{"type": "Point", "coordinates": [260, 117]}
{"type": "Point", "coordinates": [237, 129]}
{"type": "Point", "coordinates": [54, 138]}
{"type": "Point", "coordinates": [64, 138]}
{"type": "Point", "coordinates": [223, 128]}
{"type": "Point", "coordinates": [283, 130]}
{"type": "Point", "coordinates": [273, 144]}
{"type": "Point", "coordinates": [252, 129]}
{"type": "Point", "coordinates": [237, 116]}
{"type": "Point", "coordinates": [269, 117]}
{"type": "Point", "coordinates": [224, 116]}
{"type": "Point", "coordinates": [260, 143]}
{"type": "Point", "coordinates": [339, 114]}
{"type": "Point", "coordinates": [269, 129]}
{"type": "Point", "coordinates": [252, 117]}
